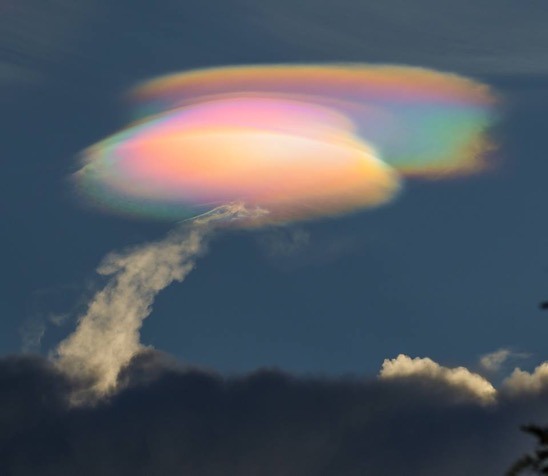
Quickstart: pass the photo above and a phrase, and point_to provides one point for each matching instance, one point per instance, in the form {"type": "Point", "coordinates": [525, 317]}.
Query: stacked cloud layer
{"type": "Point", "coordinates": [299, 142]}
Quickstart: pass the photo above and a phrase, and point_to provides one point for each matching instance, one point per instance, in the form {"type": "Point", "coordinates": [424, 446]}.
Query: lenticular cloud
{"type": "Point", "coordinates": [299, 142]}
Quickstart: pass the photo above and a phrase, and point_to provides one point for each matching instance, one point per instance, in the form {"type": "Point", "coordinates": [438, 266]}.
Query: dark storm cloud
{"type": "Point", "coordinates": [170, 421]}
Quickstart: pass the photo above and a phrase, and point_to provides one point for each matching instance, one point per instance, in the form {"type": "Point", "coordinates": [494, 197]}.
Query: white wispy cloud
{"type": "Point", "coordinates": [494, 361]}
{"type": "Point", "coordinates": [107, 335]}
{"type": "Point", "coordinates": [466, 384]}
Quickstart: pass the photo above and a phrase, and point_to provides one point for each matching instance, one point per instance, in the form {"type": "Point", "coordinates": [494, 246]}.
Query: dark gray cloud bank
{"type": "Point", "coordinates": [167, 420]}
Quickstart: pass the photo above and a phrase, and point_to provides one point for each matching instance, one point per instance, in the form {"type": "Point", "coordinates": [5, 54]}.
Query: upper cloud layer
{"type": "Point", "coordinates": [467, 36]}
{"type": "Point", "coordinates": [36, 35]}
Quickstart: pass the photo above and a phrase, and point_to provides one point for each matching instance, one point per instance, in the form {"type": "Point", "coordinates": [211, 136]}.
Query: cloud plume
{"type": "Point", "coordinates": [107, 335]}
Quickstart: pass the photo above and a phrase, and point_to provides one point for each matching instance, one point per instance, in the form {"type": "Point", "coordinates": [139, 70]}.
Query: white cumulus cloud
{"type": "Point", "coordinates": [521, 381]}
{"type": "Point", "coordinates": [467, 385]}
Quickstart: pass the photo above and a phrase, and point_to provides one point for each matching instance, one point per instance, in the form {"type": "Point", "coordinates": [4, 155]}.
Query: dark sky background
{"type": "Point", "coordinates": [451, 270]}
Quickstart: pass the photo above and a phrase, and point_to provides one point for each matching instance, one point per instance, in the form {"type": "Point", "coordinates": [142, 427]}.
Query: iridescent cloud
{"type": "Point", "coordinates": [300, 142]}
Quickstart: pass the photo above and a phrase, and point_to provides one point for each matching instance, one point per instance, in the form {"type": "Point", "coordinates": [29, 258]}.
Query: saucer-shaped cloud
{"type": "Point", "coordinates": [421, 121]}
{"type": "Point", "coordinates": [299, 142]}
{"type": "Point", "coordinates": [293, 159]}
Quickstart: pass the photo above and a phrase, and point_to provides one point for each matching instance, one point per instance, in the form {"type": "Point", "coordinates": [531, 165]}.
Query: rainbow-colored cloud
{"type": "Point", "coordinates": [300, 142]}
